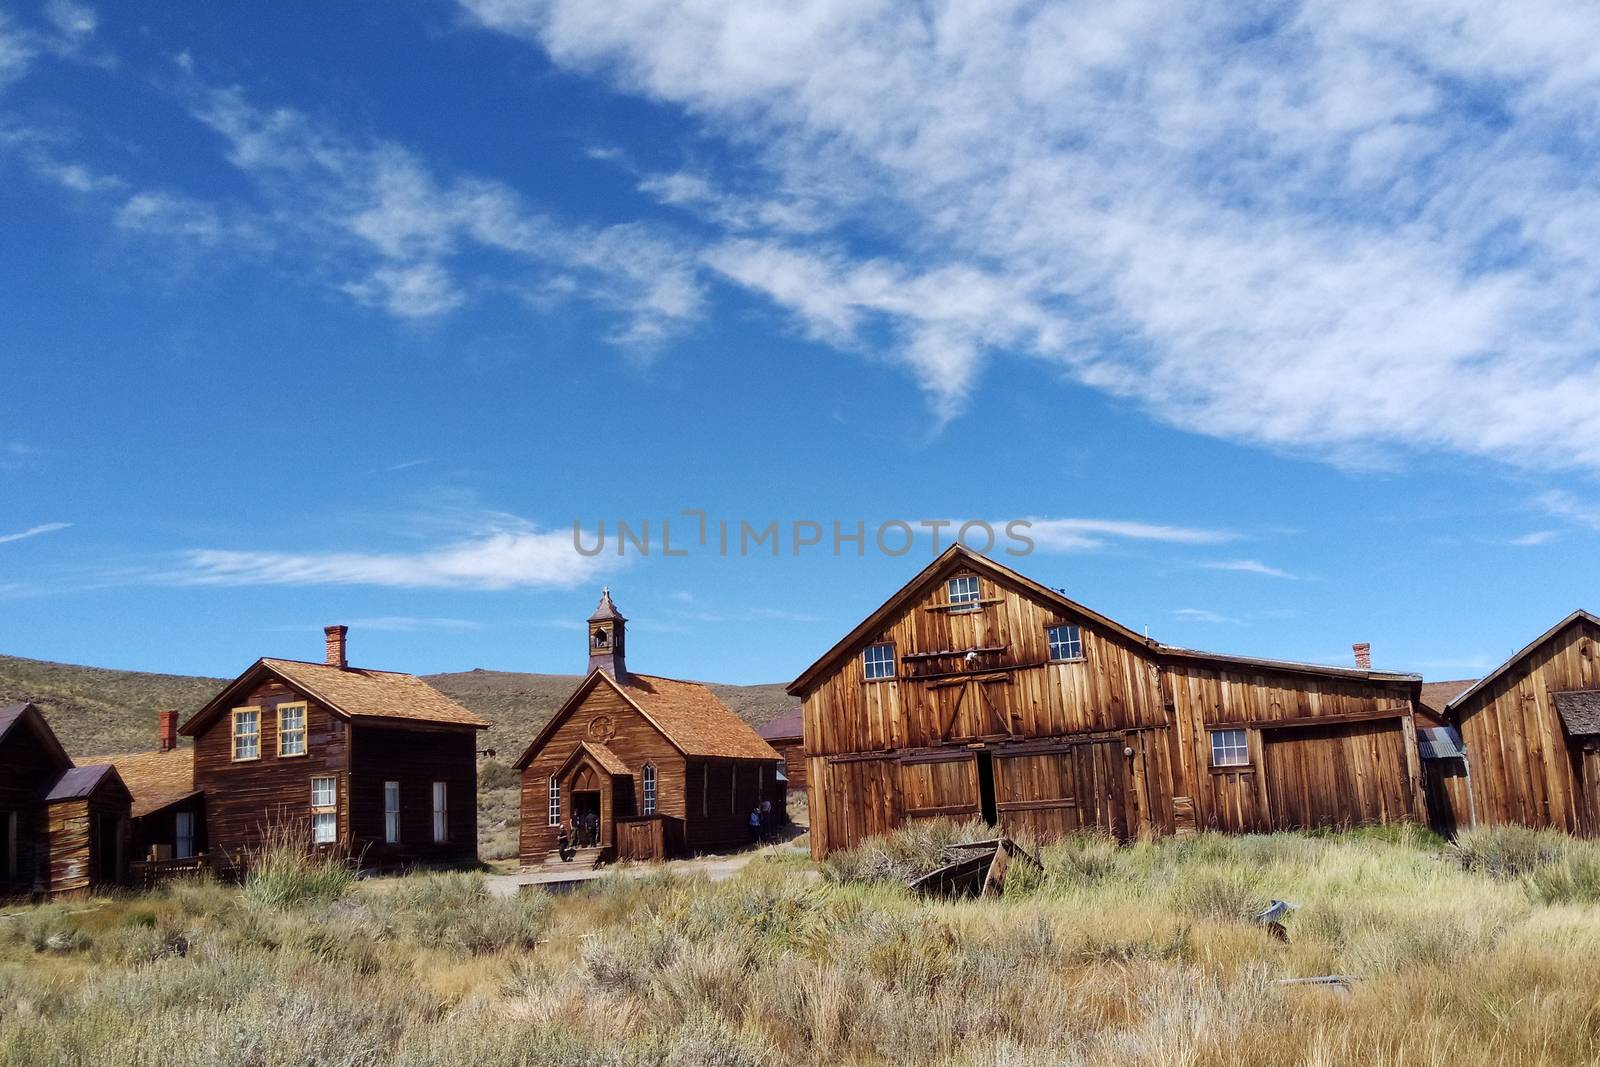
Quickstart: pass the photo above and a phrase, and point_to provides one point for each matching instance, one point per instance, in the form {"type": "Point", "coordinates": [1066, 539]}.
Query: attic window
{"type": "Point", "coordinates": [1066, 643]}
{"type": "Point", "coordinates": [877, 662]}
{"type": "Point", "coordinates": [246, 733]}
{"type": "Point", "coordinates": [963, 593]}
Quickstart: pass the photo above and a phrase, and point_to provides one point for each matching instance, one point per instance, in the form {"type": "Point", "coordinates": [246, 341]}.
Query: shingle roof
{"type": "Point", "coordinates": [1580, 711]}
{"type": "Point", "coordinates": [352, 692]}
{"type": "Point", "coordinates": [79, 782]}
{"type": "Point", "coordinates": [609, 761]}
{"type": "Point", "coordinates": [1435, 695]}
{"type": "Point", "coordinates": [1440, 742]}
{"type": "Point", "coordinates": [785, 727]}
{"type": "Point", "coordinates": [155, 779]}
{"type": "Point", "coordinates": [694, 719]}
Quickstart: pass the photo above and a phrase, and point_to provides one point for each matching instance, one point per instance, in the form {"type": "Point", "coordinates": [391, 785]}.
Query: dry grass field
{"type": "Point", "coordinates": [1486, 953]}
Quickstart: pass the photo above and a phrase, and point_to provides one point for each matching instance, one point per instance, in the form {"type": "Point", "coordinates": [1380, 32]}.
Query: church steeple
{"type": "Point", "coordinates": [608, 638]}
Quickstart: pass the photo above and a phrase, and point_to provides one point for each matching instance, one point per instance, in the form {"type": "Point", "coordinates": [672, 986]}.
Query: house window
{"type": "Point", "coordinates": [246, 733]}
{"type": "Point", "coordinates": [1066, 643]}
{"type": "Point", "coordinates": [555, 802]}
{"type": "Point", "coordinates": [291, 729]}
{"type": "Point", "coordinates": [1229, 748]}
{"type": "Point", "coordinates": [878, 662]}
{"type": "Point", "coordinates": [649, 788]}
{"type": "Point", "coordinates": [963, 592]}
{"type": "Point", "coordinates": [183, 843]}
{"type": "Point", "coordinates": [324, 809]}
{"type": "Point", "coordinates": [441, 813]}
{"type": "Point", "coordinates": [391, 813]}
{"type": "Point", "coordinates": [781, 772]}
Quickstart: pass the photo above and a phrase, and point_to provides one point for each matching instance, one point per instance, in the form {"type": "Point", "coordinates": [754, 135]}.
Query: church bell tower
{"type": "Point", "coordinates": [608, 633]}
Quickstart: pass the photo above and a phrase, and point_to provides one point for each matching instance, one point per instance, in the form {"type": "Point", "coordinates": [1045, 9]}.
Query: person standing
{"type": "Point", "coordinates": [755, 826]}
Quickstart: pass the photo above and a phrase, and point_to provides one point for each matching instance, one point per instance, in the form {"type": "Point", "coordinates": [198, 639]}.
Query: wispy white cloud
{"type": "Point", "coordinates": [1564, 505]}
{"type": "Point", "coordinates": [1248, 566]}
{"type": "Point", "coordinates": [509, 556]}
{"type": "Point", "coordinates": [1536, 537]}
{"type": "Point", "coordinates": [34, 531]}
{"type": "Point", "coordinates": [1203, 615]}
{"type": "Point", "coordinates": [1074, 535]}
{"type": "Point", "coordinates": [1315, 228]}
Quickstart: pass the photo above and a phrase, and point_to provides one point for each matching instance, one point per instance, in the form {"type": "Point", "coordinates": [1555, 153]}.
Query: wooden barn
{"type": "Point", "coordinates": [376, 764]}
{"type": "Point", "coordinates": [657, 766]}
{"type": "Point", "coordinates": [977, 692]}
{"type": "Point", "coordinates": [63, 828]}
{"type": "Point", "coordinates": [1531, 730]}
{"type": "Point", "coordinates": [169, 813]}
{"type": "Point", "coordinates": [784, 735]}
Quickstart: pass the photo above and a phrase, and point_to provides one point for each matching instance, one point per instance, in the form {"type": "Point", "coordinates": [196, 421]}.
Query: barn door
{"type": "Point", "coordinates": [1082, 785]}
{"type": "Point", "coordinates": [1335, 776]}
{"type": "Point", "coordinates": [947, 786]}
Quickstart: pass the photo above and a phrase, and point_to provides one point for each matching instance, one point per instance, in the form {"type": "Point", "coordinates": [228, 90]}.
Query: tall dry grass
{"type": "Point", "coordinates": [1115, 955]}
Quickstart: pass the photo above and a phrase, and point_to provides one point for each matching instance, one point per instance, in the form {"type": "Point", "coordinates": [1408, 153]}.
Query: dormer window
{"type": "Point", "coordinates": [963, 593]}
{"type": "Point", "coordinates": [877, 662]}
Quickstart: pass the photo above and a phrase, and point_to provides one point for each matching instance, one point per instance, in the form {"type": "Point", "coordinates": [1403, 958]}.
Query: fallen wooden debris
{"type": "Point", "coordinates": [983, 874]}
{"type": "Point", "coordinates": [1272, 917]}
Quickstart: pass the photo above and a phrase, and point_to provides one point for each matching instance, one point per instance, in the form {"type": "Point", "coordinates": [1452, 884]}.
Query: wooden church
{"type": "Point", "coordinates": [636, 766]}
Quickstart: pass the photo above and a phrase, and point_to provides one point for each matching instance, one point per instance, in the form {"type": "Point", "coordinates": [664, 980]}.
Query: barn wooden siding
{"type": "Point", "coordinates": [1524, 767]}
{"type": "Point", "coordinates": [244, 799]}
{"type": "Point", "coordinates": [27, 769]}
{"type": "Point", "coordinates": [1117, 740]}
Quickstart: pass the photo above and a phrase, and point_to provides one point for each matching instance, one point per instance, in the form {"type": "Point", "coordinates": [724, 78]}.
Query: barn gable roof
{"type": "Point", "coordinates": [351, 692]}
{"type": "Point", "coordinates": [1461, 699]}
{"type": "Point", "coordinates": [686, 713]}
{"type": "Point", "coordinates": [156, 779]}
{"type": "Point", "coordinates": [959, 557]}
{"type": "Point", "coordinates": [28, 717]}
{"type": "Point", "coordinates": [1580, 711]}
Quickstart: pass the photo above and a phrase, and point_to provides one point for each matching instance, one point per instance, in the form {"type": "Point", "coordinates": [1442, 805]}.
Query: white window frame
{"type": "Point", "coordinates": [441, 812]}
{"type": "Point", "coordinates": [391, 813]}
{"type": "Point", "coordinates": [873, 667]}
{"type": "Point", "coordinates": [182, 838]}
{"type": "Point", "coordinates": [239, 714]}
{"type": "Point", "coordinates": [962, 592]}
{"type": "Point", "coordinates": [300, 732]}
{"type": "Point", "coordinates": [324, 809]}
{"type": "Point", "coordinates": [1230, 748]}
{"type": "Point", "coordinates": [554, 808]}
{"type": "Point", "coordinates": [1071, 647]}
{"type": "Point", "coordinates": [649, 775]}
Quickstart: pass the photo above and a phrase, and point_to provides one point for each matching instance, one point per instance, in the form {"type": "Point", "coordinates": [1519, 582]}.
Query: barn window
{"type": "Point", "coordinates": [1066, 643]}
{"type": "Point", "coordinates": [184, 834]}
{"type": "Point", "coordinates": [291, 729]}
{"type": "Point", "coordinates": [963, 591]}
{"type": "Point", "coordinates": [246, 733]}
{"type": "Point", "coordinates": [1229, 748]}
{"type": "Point", "coordinates": [555, 802]}
{"type": "Point", "coordinates": [324, 809]}
{"type": "Point", "coordinates": [441, 812]}
{"type": "Point", "coordinates": [878, 662]}
{"type": "Point", "coordinates": [391, 813]}
{"type": "Point", "coordinates": [649, 788]}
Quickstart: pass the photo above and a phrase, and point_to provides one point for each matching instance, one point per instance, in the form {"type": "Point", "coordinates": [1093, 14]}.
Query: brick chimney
{"type": "Point", "coordinates": [1363, 653]}
{"type": "Point", "coordinates": [167, 729]}
{"type": "Point", "coordinates": [336, 656]}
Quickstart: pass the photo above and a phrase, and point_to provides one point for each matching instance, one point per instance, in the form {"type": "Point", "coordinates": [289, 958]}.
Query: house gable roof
{"type": "Point", "coordinates": [786, 727]}
{"type": "Point", "coordinates": [602, 756]}
{"type": "Point", "coordinates": [959, 557]}
{"type": "Point", "coordinates": [351, 692]}
{"type": "Point", "coordinates": [686, 713]}
{"type": "Point", "coordinates": [80, 782]}
{"type": "Point", "coordinates": [29, 717]}
{"type": "Point", "coordinates": [1461, 699]}
{"type": "Point", "coordinates": [156, 779]}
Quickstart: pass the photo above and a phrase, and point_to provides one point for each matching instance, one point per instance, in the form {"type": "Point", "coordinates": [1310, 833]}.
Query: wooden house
{"type": "Point", "coordinates": [657, 765]}
{"type": "Point", "coordinates": [377, 764]}
{"type": "Point", "coordinates": [168, 814]}
{"type": "Point", "coordinates": [1531, 730]}
{"type": "Point", "coordinates": [977, 692]}
{"type": "Point", "coordinates": [784, 735]}
{"type": "Point", "coordinates": [63, 828]}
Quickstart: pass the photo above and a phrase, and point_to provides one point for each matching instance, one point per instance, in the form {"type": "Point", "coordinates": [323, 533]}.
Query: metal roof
{"type": "Point", "coordinates": [1440, 742]}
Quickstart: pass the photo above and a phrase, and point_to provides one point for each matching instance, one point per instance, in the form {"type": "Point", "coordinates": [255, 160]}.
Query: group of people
{"type": "Point", "coordinates": [586, 834]}
{"type": "Point", "coordinates": [762, 824]}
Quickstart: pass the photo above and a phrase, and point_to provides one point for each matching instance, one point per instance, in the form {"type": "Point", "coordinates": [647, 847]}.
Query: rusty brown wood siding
{"type": "Point", "coordinates": [27, 770]}
{"type": "Point", "coordinates": [1238, 798]}
{"type": "Point", "coordinates": [636, 742]}
{"type": "Point", "coordinates": [244, 798]}
{"type": "Point", "coordinates": [1525, 769]}
{"type": "Point", "coordinates": [794, 761]}
{"type": "Point", "coordinates": [416, 758]}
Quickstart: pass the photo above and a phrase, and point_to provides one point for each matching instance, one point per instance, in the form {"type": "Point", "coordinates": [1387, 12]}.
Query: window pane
{"type": "Point", "coordinates": [878, 661]}
{"type": "Point", "coordinates": [555, 803]}
{"type": "Point", "coordinates": [963, 590]}
{"type": "Point", "coordinates": [1229, 748]}
{"type": "Point", "coordinates": [324, 792]}
{"type": "Point", "coordinates": [1065, 643]}
{"type": "Point", "coordinates": [391, 812]}
{"type": "Point", "coordinates": [324, 827]}
{"type": "Point", "coordinates": [441, 817]}
{"type": "Point", "coordinates": [649, 789]}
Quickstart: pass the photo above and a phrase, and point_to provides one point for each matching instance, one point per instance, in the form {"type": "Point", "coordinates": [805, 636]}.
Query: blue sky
{"type": "Point", "coordinates": [1278, 322]}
